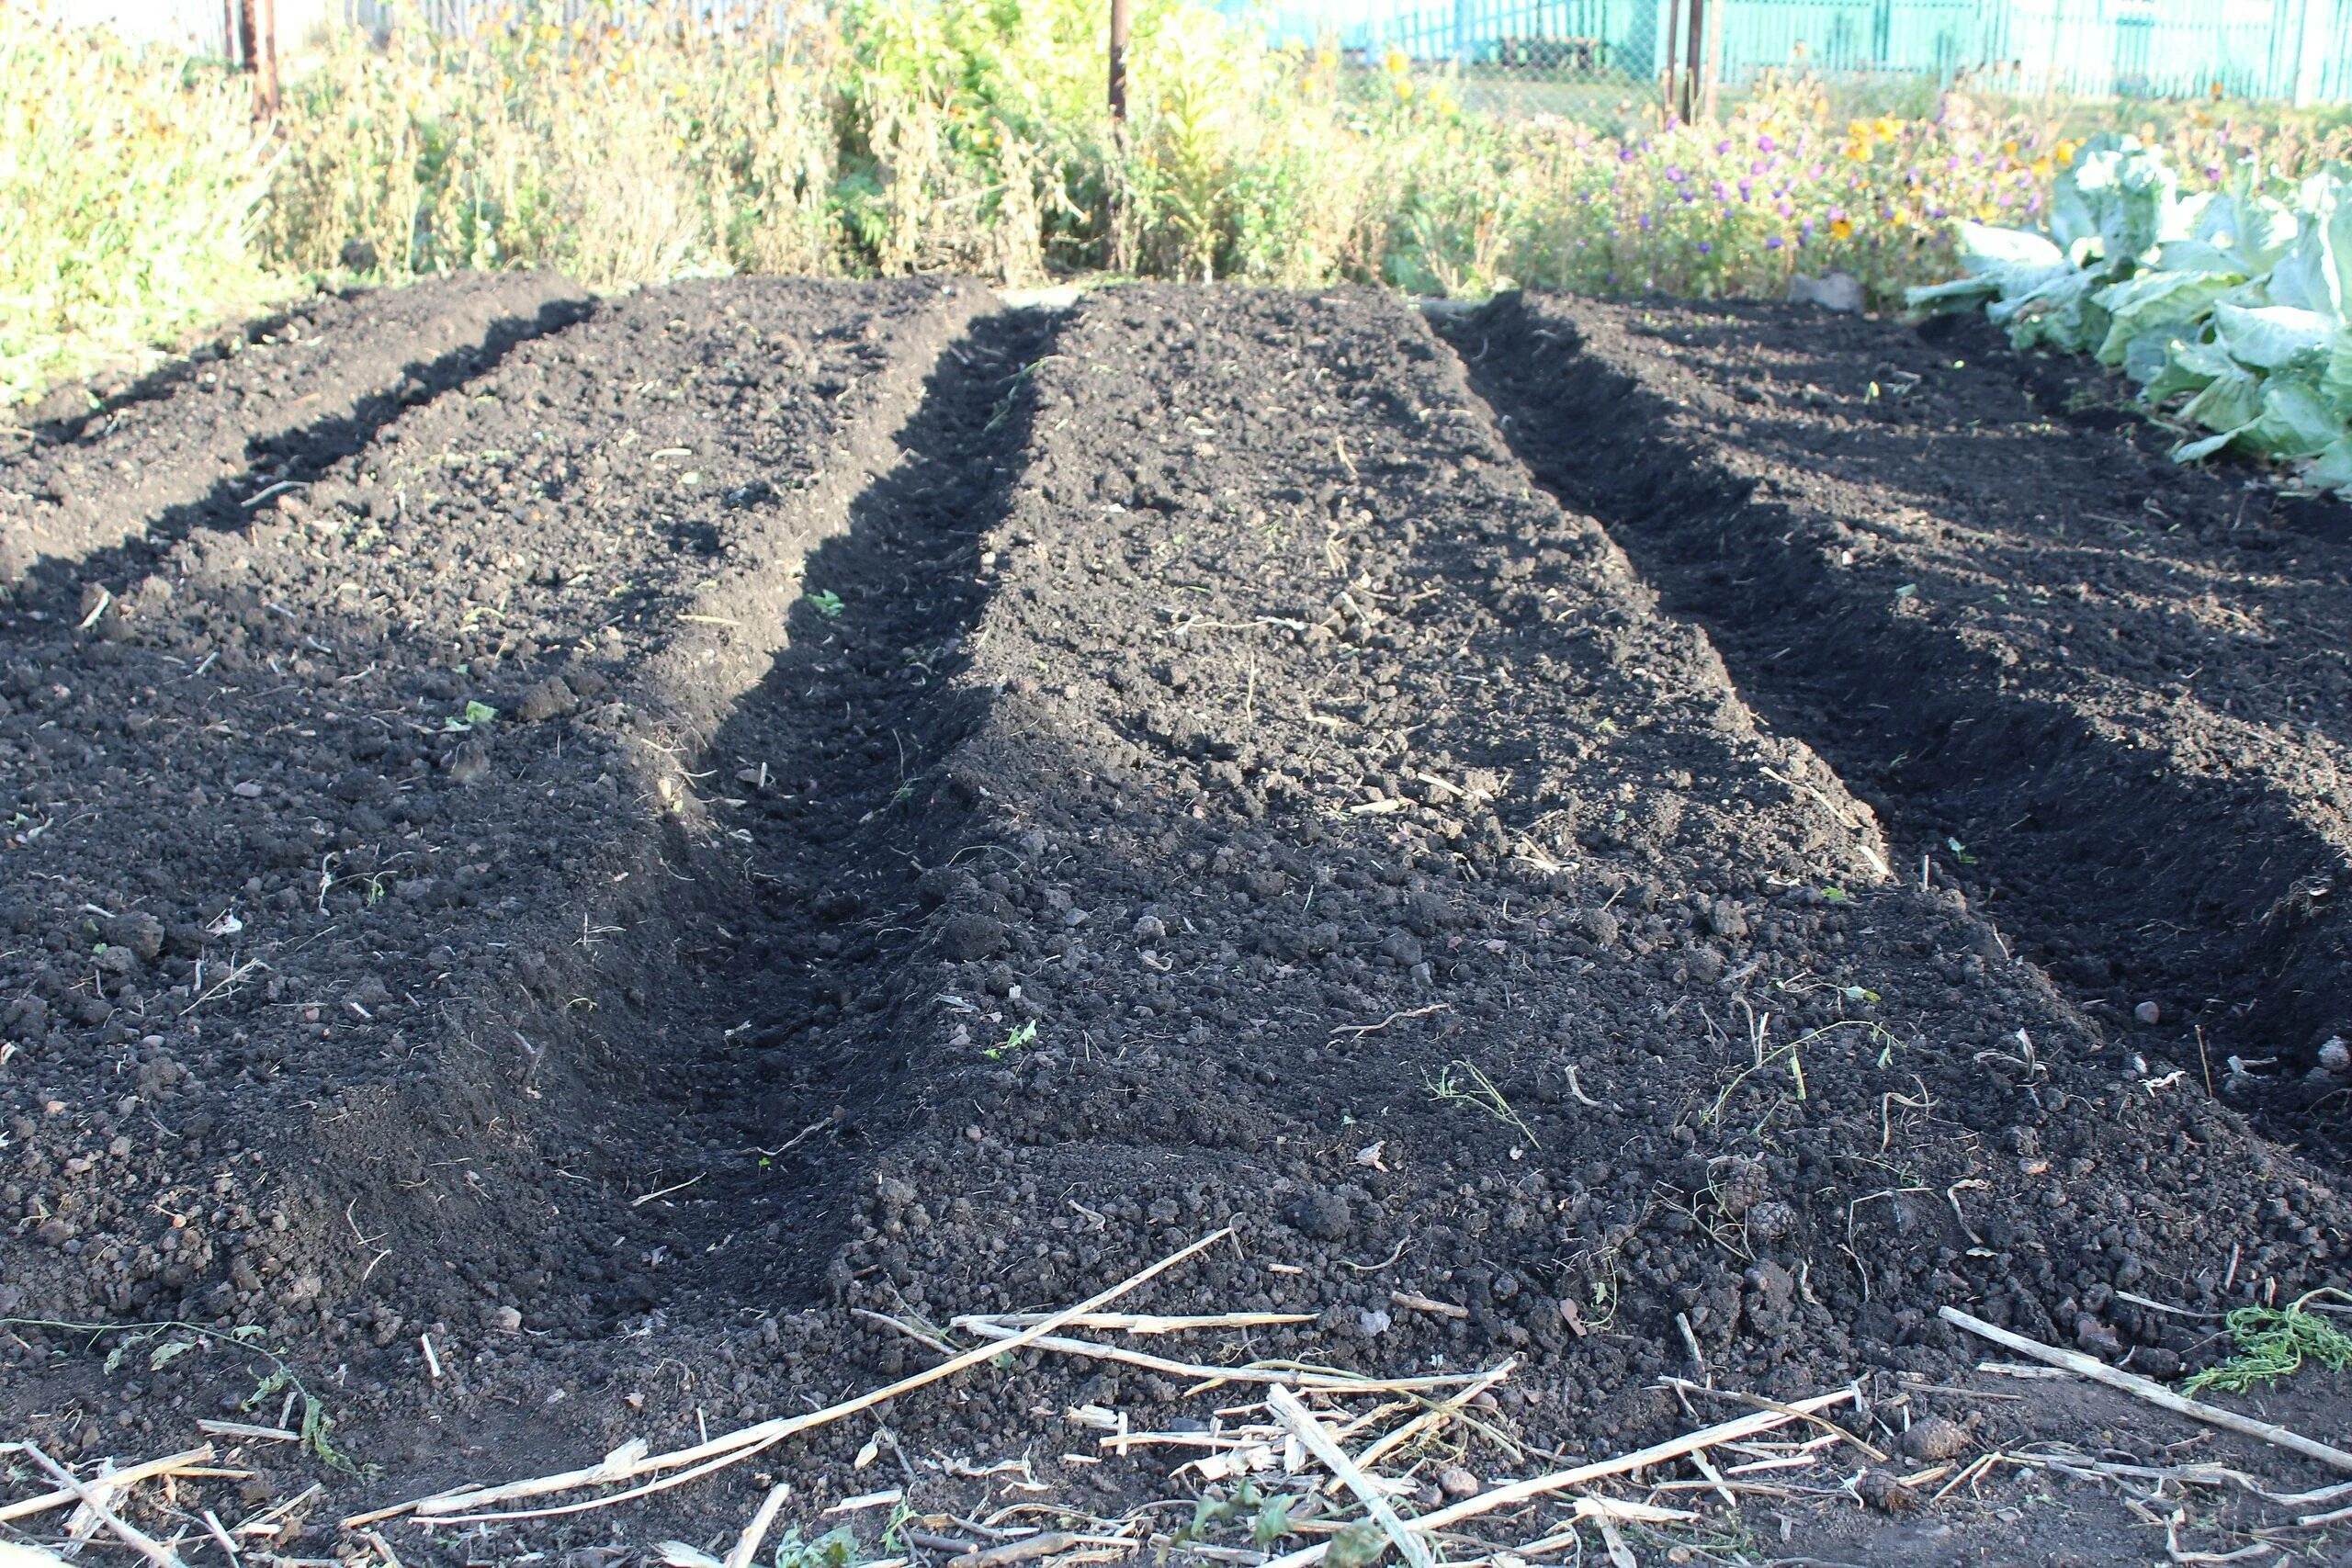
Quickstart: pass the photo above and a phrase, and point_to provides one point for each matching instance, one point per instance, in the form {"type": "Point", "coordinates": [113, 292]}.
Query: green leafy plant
{"type": "Point", "coordinates": [1018, 1037]}
{"type": "Point", "coordinates": [166, 1341]}
{"type": "Point", "coordinates": [837, 1548]}
{"type": "Point", "coordinates": [826, 602]}
{"type": "Point", "coordinates": [2275, 1342]}
{"type": "Point", "coordinates": [2228, 307]}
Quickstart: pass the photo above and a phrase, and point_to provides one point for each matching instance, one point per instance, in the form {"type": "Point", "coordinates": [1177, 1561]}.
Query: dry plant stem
{"type": "Point", "coordinates": [1336, 1383]}
{"type": "Point", "coordinates": [1430, 1420]}
{"type": "Point", "coordinates": [1138, 1322]}
{"type": "Point", "coordinates": [1758, 1402]}
{"type": "Point", "coordinates": [2154, 1393]}
{"type": "Point", "coordinates": [751, 1439]}
{"type": "Point", "coordinates": [147, 1546]}
{"type": "Point", "coordinates": [128, 1475]}
{"type": "Point", "coordinates": [1293, 1413]}
{"type": "Point", "coordinates": [1527, 1491]}
{"type": "Point", "coordinates": [747, 1545]}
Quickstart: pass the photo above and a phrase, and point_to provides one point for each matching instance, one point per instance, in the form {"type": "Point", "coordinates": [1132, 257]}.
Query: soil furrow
{"type": "Point", "coordinates": [1372, 864]}
{"type": "Point", "coordinates": [2104, 695]}
{"type": "Point", "coordinates": [187, 445]}
{"type": "Point", "coordinates": [974, 800]}
{"type": "Point", "coordinates": [347, 844]}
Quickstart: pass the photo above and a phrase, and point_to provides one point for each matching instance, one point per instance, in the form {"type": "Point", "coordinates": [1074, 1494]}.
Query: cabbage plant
{"type": "Point", "coordinates": [2227, 307]}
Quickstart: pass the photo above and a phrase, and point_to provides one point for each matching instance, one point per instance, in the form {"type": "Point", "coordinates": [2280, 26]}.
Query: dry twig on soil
{"type": "Point", "coordinates": [734, 1446]}
{"type": "Point", "coordinates": [1560, 1481]}
{"type": "Point", "coordinates": [2154, 1393]}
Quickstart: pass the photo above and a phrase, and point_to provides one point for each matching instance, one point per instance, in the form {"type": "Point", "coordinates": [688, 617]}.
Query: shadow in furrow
{"type": "Point", "coordinates": [805, 938]}
{"type": "Point", "coordinates": [291, 457]}
{"type": "Point", "coordinates": [2113, 875]}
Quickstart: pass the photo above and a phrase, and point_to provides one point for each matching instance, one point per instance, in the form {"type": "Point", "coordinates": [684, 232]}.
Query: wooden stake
{"type": "Point", "coordinates": [2154, 1393]}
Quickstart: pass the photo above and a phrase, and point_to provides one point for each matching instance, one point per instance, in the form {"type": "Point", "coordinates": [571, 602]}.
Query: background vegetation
{"type": "Point", "coordinates": [137, 201]}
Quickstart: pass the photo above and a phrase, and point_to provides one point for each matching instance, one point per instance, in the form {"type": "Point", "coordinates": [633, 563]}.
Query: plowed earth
{"type": "Point", "coordinates": [629, 841]}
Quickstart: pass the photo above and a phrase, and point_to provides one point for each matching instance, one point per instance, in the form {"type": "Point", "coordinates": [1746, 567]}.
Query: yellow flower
{"type": "Point", "coordinates": [2042, 166]}
{"type": "Point", "coordinates": [1841, 228]}
{"type": "Point", "coordinates": [1888, 127]}
{"type": "Point", "coordinates": [1860, 151]}
{"type": "Point", "coordinates": [1396, 61]}
{"type": "Point", "coordinates": [2066, 154]}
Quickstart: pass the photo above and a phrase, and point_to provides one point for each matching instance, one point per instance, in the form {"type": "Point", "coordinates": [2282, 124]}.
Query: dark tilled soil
{"type": "Point", "coordinates": [185, 446]}
{"type": "Point", "coordinates": [1978, 586]}
{"type": "Point", "coordinates": [977, 799]}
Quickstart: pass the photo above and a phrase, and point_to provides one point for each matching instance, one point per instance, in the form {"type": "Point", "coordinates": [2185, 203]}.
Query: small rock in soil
{"type": "Point", "coordinates": [2148, 1012]}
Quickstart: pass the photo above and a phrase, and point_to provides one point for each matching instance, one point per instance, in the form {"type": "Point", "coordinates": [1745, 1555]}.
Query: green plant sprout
{"type": "Point", "coordinates": [2274, 1342]}
{"type": "Point", "coordinates": [1475, 1088]}
{"type": "Point", "coordinates": [161, 1351]}
{"type": "Point", "coordinates": [1020, 1035]}
{"type": "Point", "coordinates": [826, 602]}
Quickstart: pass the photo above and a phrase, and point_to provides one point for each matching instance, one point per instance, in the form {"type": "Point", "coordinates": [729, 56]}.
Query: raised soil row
{"type": "Point", "coordinates": [979, 797]}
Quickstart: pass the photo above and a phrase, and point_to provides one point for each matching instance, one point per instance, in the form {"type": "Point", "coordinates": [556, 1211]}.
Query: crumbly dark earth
{"type": "Point", "coordinates": [566, 859]}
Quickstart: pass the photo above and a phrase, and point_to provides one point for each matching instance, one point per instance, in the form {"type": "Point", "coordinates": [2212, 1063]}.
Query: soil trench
{"type": "Point", "coordinates": [2104, 695]}
{"type": "Point", "coordinates": [780, 813]}
{"type": "Point", "coordinates": [192, 444]}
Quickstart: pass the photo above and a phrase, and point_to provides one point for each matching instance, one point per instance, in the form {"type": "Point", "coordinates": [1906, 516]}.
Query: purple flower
{"type": "Point", "coordinates": [1674, 174]}
{"type": "Point", "coordinates": [1772, 243]}
{"type": "Point", "coordinates": [1705, 249]}
{"type": "Point", "coordinates": [1837, 214]}
{"type": "Point", "coordinates": [1624, 154]}
{"type": "Point", "coordinates": [1646, 222]}
{"type": "Point", "coordinates": [1722, 148]}
{"type": "Point", "coordinates": [1765, 144]}
{"type": "Point", "coordinates": [2033, 203]}
{"type": "Point", "coordinates": [1721, 193]}
{"type": "Point", "coordinates": [1746, 189]}
{"type": "Point", "coordinates": [1784, 207]}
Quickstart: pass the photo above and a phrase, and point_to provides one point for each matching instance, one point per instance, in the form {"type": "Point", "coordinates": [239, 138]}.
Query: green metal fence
{"type": "Point", "coordinates": [2297, 51]}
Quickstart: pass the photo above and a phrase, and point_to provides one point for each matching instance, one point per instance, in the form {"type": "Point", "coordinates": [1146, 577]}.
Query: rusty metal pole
{"type": "Point", "coordinates": [265, 59]}
{"type": "Point", "coordinates": [1120, 22]}
{"type": "Point", "coordinates": [1690, 62]}
{"type": "Point", "coordinates": [243, 10]}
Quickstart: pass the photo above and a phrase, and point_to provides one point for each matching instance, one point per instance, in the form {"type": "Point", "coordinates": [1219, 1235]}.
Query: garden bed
{"type": "Point", "coordinates": [616, 897]}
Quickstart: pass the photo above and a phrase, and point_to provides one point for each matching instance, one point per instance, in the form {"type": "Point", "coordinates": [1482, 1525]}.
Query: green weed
{"type": "Point", "coordinates": [1473, 1087]}
{"type": "Point", "coordinates": [2273, 1343]}
{"type": "Point", "coordinates": [166, 1341]}
{"type": "Point", "coordinates": [826, 602]}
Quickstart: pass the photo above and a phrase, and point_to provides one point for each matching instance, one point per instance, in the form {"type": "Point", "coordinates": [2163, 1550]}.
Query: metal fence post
{"type": "Point", "coordinates": [1120, 25]}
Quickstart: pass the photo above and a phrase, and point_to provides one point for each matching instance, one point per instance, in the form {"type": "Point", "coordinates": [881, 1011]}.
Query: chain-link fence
{"type": "Point", "coordinates": [1582, 57]}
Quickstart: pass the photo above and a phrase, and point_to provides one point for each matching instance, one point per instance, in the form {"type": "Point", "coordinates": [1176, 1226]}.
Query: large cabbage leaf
{"type": "Point", "coordinates": [2233, 308]}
